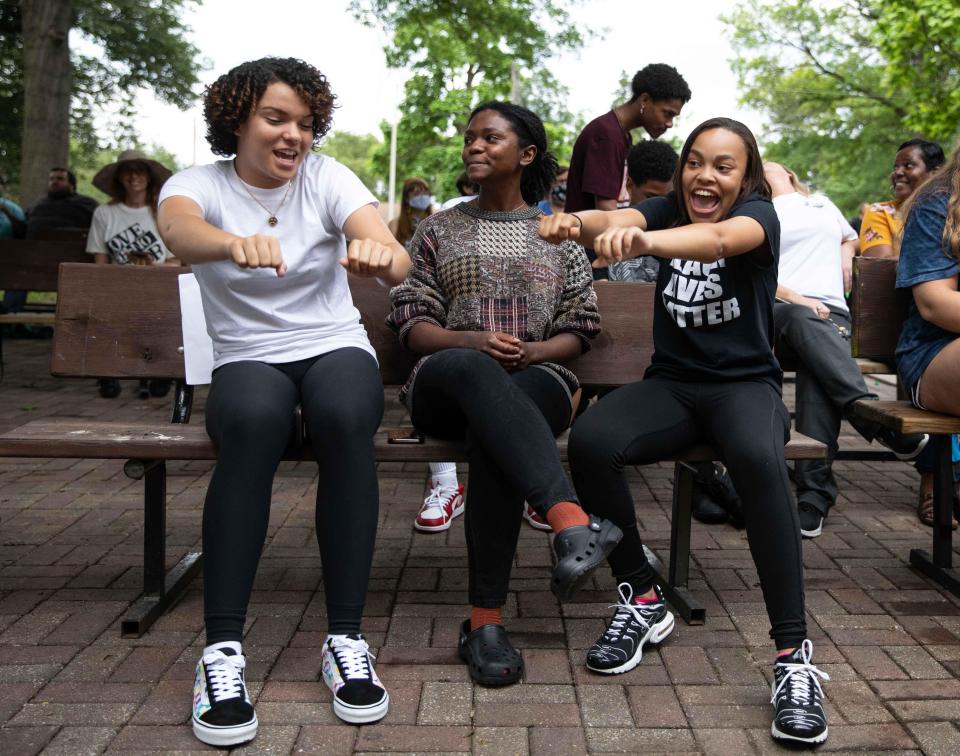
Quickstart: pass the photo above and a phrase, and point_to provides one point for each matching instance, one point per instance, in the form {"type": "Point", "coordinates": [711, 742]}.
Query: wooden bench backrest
{"type": "Point", "coordinates": [878, 308]}
{"type": "Point", "coordinates": [124, 322]}
{"type": "Point", "coordinates": [32, 265]}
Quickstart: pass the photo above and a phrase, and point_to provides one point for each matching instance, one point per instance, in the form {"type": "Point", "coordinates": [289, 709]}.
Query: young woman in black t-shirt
{"type": "Point", "coordinates": [713, 378]}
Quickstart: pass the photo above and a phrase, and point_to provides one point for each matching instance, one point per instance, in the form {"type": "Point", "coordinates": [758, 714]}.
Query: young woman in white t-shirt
{"type": "Point", "coordinates": [266, 235]}
{"type": "Point", "coordinates": [124, 232]}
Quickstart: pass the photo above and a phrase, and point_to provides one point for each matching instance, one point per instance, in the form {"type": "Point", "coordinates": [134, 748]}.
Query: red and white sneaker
{"type": "Point", "coordinates": [535, 520]}
{"type": "Point", "coordinates": [439, 508]}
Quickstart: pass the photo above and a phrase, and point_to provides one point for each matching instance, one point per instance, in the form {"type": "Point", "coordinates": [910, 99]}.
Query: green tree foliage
{"type": "Point", "coordinates": [460, 54]}
{"type": "Point", "coordinates": [356, 151]}
{"type": "Point", "coordinates": [126, 45]}
{"type": "Point", "coordinates": [841, 85]}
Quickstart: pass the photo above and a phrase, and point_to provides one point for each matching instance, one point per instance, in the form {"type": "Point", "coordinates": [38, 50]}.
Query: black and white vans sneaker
{"type": "Point", "coordinates": [797, 698]}
{"type": "Point", "coordinates": [620, 648]}
{"type": "Point", "coordinates": [347, 665]}
{"type": "Point", "coordinates": [222, 712]}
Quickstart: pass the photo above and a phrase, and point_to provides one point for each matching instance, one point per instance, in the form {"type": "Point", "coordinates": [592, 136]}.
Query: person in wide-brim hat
{"type": "Point", "coordinates": [107, 179]}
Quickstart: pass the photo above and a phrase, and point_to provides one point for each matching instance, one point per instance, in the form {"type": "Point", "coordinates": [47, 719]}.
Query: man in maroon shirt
{"type": "Point", "coordinates": [598, 166]}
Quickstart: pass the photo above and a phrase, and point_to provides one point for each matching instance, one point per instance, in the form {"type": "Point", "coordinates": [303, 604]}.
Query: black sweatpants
{"type": "Point", "coordinates": [509, 422]}
{"type": "Point", "coordinates": [748, 424]}
{"type": "Point", "coordinates": [250, 419]}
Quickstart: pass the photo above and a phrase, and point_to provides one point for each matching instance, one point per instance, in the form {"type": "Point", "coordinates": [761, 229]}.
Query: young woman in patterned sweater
{"type": "Point", "coordinates": [494, 309]}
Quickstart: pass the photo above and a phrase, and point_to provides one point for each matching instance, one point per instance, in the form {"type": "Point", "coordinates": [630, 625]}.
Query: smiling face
{"type": "Point", "coordinates": [909, 171]}
{"type": "Point", "coordinates": [275, 138]}
{"type": "Point", "coordinates": [492, 151]}
{"type": "Point", "coordinates": [133, 177]}
{"type": "Point", "coordinates": [712, 175]}
{"type": "Point", "coordinates": [659, 115]}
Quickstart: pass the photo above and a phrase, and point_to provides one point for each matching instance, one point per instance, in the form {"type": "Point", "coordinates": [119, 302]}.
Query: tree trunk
{"type": "Point", "coordinates": [47, 85]}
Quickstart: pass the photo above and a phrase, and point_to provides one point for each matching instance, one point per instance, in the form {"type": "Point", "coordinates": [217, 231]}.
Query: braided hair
{"type": "Point", "coordinates": [537, 178]}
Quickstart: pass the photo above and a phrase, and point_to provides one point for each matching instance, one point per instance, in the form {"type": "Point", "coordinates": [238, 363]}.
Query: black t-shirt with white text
{"type": "Point", "coordinates": [714, 321]}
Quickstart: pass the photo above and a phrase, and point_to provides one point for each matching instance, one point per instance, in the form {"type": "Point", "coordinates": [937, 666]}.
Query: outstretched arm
{"type": "Point", "coordinates": [587, 225]}
{"type": "Point", "coordinates": [372, 251]}
{"type": "Point", "coordinates": [188, 235]}
{"type": "Point", "coordinates": [703, 242]}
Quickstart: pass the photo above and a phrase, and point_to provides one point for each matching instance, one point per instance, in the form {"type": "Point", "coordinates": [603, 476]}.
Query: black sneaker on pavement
{"type": "Point", "coordinates": [620, 648]}
{"type": "Point", "coordinates": [811, 520]}
{"type": "Point", "coordinates": [222, 712]}
{"type": "Point", "coordinates": [797, 698]}
{"type": "Point", "coordinates": [347, 666]}
{"type": "Point", "coordinates": [905, 446]}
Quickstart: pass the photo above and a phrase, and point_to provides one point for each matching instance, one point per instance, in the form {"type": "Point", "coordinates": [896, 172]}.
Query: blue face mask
{"type": "Point", "coordinates": [420, 202]}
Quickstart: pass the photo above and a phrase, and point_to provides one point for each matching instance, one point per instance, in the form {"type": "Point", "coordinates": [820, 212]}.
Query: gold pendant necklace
{"type": "Point", "coordinates": [272, 220]}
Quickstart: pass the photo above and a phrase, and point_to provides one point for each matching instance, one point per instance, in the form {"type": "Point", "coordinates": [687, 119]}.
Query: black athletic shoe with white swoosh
{"type": "Point", "coordinates": [797, 698]}
{"type": "Point", "coordinates": [620, 648]}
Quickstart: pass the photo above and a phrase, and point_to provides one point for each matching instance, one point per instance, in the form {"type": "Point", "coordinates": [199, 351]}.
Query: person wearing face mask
{"type": "Point", "coordinates": [880, 229]}
{"type": "Point", "coordinates": [554, 202]}
{"type": "Point", "coordinates": [415, 205]}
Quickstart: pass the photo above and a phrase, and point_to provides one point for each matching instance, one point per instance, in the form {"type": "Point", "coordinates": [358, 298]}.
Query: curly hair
{"type": "Point", "coordinates": [537, 178]}
{"type": "Point", "coordinates": [651, 159]}
{"type": "Point", "coordinates": [232, 98]}
{"type": "Point", "coordinates": [661, 82]}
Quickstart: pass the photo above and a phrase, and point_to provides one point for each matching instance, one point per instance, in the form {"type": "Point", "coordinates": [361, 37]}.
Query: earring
{"type": "Point", "coordinates": [641, 110]}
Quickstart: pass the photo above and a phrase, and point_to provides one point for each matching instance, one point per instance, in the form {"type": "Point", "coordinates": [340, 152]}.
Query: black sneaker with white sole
{"type": "Point", "coordinates": [905, 446]}
{"type": "Point", "coordinates": [797, 698]}
{"type": "Point", "coordinates": [620, 648]}
{"type": "Point", "coordinates": [222, 712]}
{"type": "Point", "coordinates": [811, 520]}
{"type": "Point", "coordinates": [347, 666]}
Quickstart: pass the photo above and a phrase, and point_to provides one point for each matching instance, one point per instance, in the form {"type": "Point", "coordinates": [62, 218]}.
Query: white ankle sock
{"type": "Point", "coordinates": [444, 474]}
{"type": "Point", "coordinates": [233, 645]}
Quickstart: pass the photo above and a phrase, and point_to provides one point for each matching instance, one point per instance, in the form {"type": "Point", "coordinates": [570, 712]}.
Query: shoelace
{"type": "Point", "coordinates": [437, 497]}
{"type": "Point", "coordinates": [354, 658]}
{"type": "Point", "coordinates": [625, 609]}
{"type": "Point", "coordinates": [225, 675]}
{"type": "Point", "coordinates": [800, 678]}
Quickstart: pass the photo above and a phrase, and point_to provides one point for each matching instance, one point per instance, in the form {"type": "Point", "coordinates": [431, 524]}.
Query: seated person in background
{"type": "Point", "coordinates": [124, 231]}
{"type": "Point", "coordinates": [416, 204]}
{"type": "Point", "coordinates": [496, 311]}
{"type": "Point", "coordinates": [12, 220]}
{"type": "Point", "coordinates": [554, 202]}
{"type": "Point", "coordinates": [62, 207]}
{"type": "Point", "coordinates": [928, 353]}
{"type": "Point", "coordinates": [468, 190]}
{"type": "Point", "coordinates": [650, 167]}
{"type": "Point", "coordinates": [812, 324]}
{"type": "Point", "coordinates": [880, 230]}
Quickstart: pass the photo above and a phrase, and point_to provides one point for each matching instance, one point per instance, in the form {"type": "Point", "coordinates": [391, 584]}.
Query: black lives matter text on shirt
{"type": "Point", "coordinates": [714, 320]}
{"type": "Point", "coordinates": [135, 241]}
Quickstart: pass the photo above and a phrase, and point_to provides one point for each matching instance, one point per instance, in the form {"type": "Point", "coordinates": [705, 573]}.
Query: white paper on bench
{"type": "Point", "coordinates": [197, 346]}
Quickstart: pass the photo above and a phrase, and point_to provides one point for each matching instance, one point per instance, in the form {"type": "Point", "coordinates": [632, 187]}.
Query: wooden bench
{"type": "Point", "coordinates": [34, 266]}
{"type": "Point", "coordinates": [881, 309]}
{"type": "Point", "coordinates": [96, 336]}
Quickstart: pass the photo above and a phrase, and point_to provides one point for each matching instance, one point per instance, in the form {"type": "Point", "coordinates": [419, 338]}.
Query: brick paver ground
{"type": "Point", "coordinates": [70, 545]}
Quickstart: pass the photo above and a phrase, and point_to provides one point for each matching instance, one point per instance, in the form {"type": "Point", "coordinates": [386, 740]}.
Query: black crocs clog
{"type": "Point", "coordinates": [580, 550]}
{"type": "Point", "coordinates": [489, 655]}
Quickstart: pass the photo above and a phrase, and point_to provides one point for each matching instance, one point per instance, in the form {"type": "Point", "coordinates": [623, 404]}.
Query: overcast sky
{"type": "Point", "coordinates": [628, 35]}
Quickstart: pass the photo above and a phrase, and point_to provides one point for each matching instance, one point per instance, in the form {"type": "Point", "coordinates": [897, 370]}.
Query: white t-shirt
{"type": "Point", "coordinates": [124, 232]}
{"type": "Point", "coordinates": [811, 232]}
{"type": "Point", "coordinates": [255, 314]}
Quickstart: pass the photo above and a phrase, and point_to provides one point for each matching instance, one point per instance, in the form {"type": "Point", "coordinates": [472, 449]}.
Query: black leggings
{"type": "Point", "coordinates": [509, 421]}
{"type": "Point", "coordinates": [250, 419]}
{"type": "Point", "coordinates": [748, 425]}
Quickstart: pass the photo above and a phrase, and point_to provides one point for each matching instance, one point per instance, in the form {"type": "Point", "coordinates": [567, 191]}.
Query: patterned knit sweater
{"type": "Point", "coordinates": [480, 270]}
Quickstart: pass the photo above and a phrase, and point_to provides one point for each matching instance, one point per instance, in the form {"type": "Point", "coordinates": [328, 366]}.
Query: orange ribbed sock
{"type": "Point", "coordinates": [566, 514]}
{"type": "Point", "coordinates": [480, 617]}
